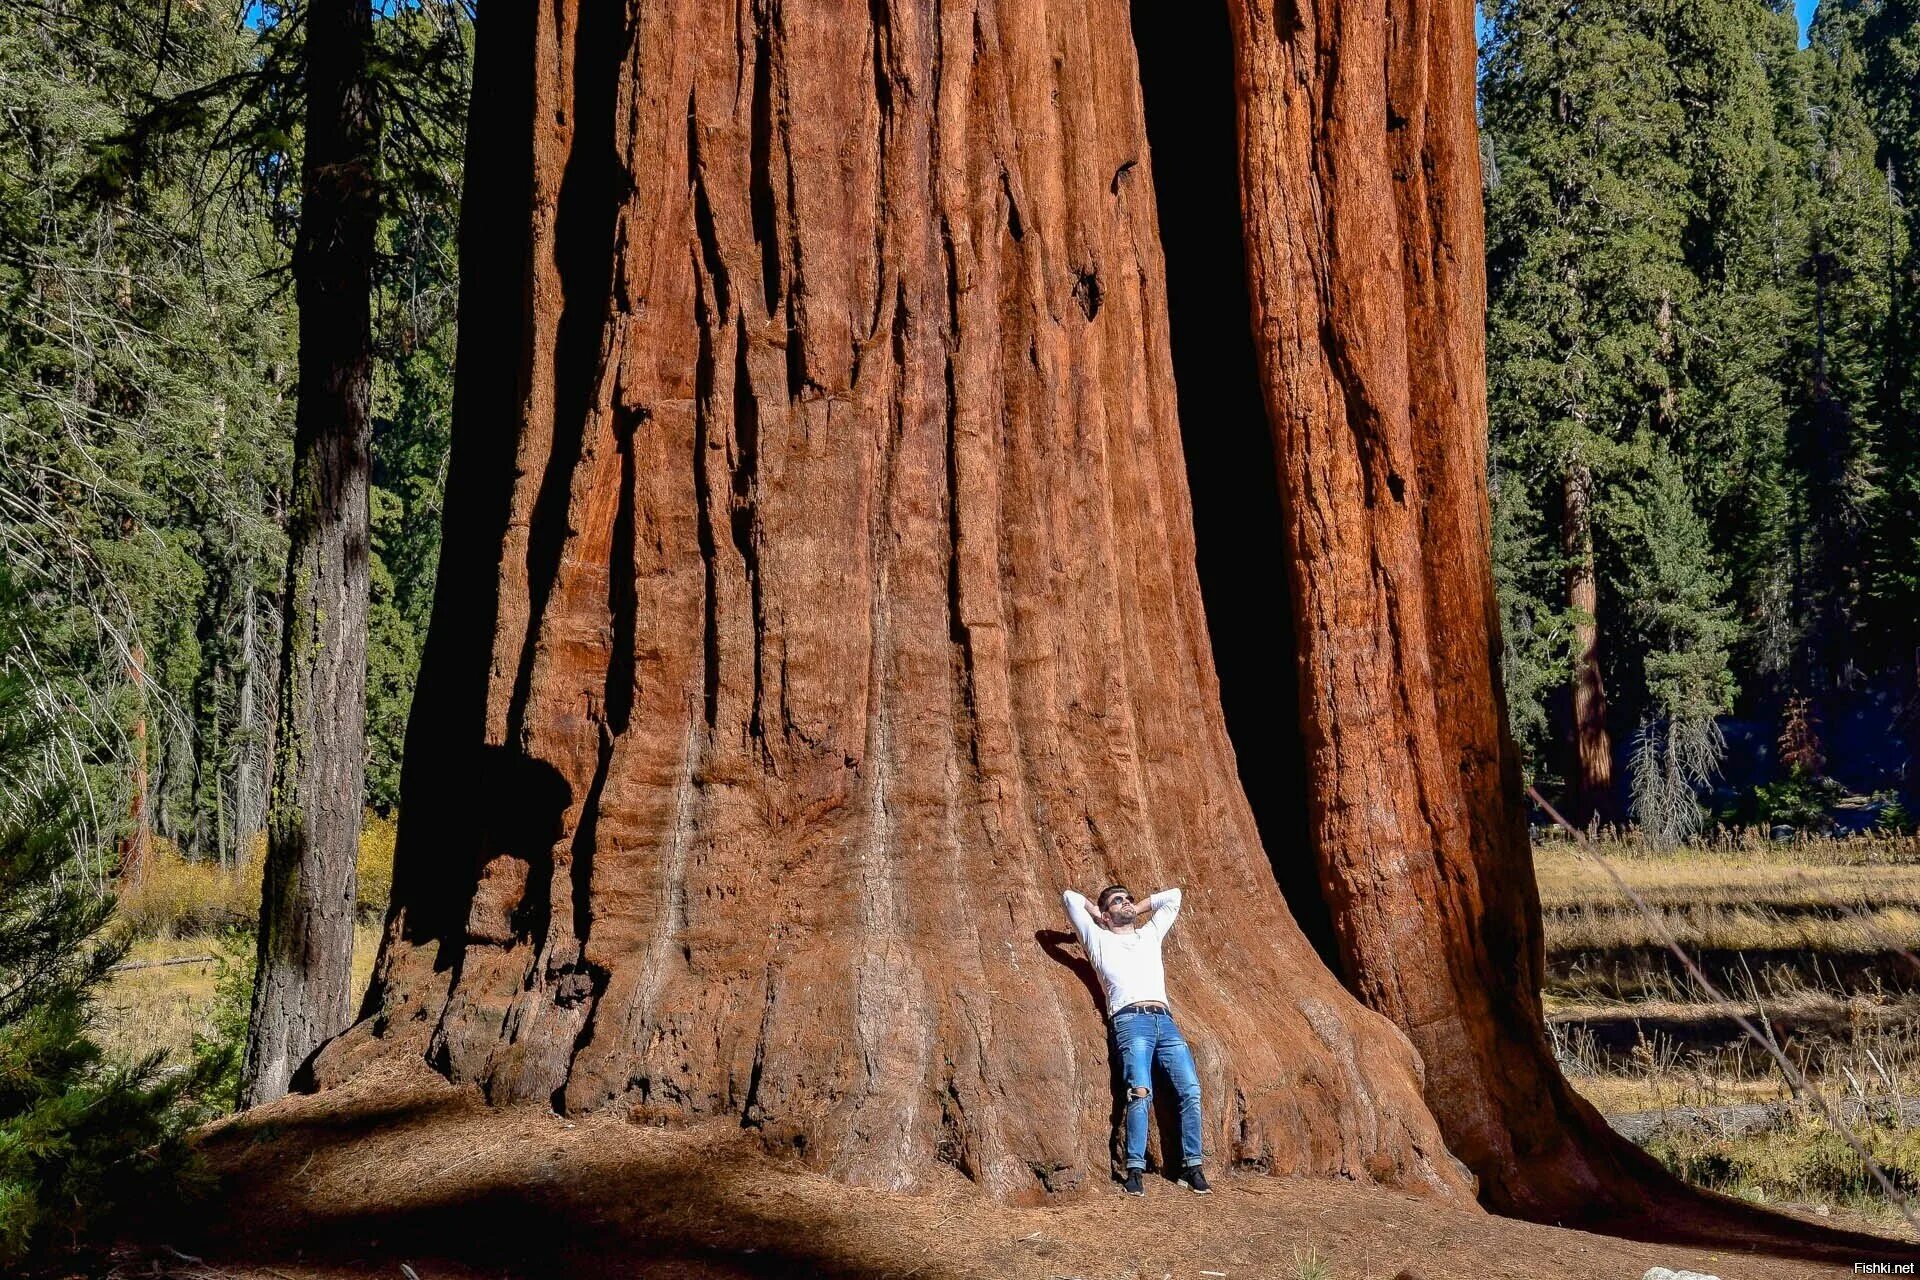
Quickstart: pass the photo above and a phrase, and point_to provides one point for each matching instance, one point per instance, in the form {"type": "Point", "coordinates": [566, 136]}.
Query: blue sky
{"type": "Point", "coordinates": [1803, 9]}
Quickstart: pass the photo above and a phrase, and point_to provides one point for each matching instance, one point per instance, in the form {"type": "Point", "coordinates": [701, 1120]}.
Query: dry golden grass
{"type": "Point", "coordinates": [164, 1006]}
{"type": "Point", "coordinates": [1708, 927]}
{"type": "Point", "coordinates": [1805, 901]}
{"type": "Point", "coordinates": [1824, 896]}
{"type": "Point", "coordinates": [177, 897]}
{"type": "Point", "coordinates": [172, 896]}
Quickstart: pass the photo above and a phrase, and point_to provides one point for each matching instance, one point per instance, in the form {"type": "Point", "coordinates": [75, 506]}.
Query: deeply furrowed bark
{"type": "Point", "coordinates": [1364, 239]}
{"type": "Point", "coordinates": [819, 601]}
{"type": "Point", "coordinates": [304, 963]}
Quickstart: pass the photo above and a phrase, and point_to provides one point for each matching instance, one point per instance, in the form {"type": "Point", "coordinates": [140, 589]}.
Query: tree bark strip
{"type": "Point", "coordinates": [1592, 746]}
{"type": "Point", "coordinates": [1361, 193]}
{"type": "Point", "coordinates": [301, 989]}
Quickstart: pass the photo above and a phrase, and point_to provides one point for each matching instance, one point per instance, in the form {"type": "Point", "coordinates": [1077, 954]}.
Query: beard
{"type": "Point", "coordinates": [1123, 915]}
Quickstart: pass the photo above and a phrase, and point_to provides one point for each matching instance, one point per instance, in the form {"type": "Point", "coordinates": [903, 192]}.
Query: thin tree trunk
{"type": "Point", "coordinates": [137, 844]}
{"type": "Point", "coordinates": [819, 602]}
{"type": "Point", "coordinates": [1364, 241]}
{"type": "Point", "coordinates": [1592, 772]}
{"type": "Point", "coordinates": [301, 995]}
{"type": "Point", "coordinates": [246, 779]}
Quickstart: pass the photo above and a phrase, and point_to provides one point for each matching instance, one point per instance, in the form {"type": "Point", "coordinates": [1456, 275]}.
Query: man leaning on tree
{"type": "Point", "coordinates": [1123, 945]}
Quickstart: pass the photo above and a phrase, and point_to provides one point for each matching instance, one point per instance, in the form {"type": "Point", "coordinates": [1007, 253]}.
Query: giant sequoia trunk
{"type": "Point", "coordinates": [304, 961]}
{"type": "Point", "coordinates": [1361, 194]}
{"type": "Point", "coordinates": [818, 602]}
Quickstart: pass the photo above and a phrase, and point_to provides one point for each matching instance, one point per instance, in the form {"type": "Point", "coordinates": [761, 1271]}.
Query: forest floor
{"type": "Point", "coordinates": [1812, 943]}
{"type": "Point", "coordinates": [400, 1174]}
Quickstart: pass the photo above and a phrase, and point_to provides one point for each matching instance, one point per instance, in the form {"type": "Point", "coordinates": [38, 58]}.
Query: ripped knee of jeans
{"type": "Point", "coordinates": [1139, 1093]}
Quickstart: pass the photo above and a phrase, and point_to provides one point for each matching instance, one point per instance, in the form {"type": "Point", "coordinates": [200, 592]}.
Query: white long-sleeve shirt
{"type": "Point", "coordinates": [1128, 963]}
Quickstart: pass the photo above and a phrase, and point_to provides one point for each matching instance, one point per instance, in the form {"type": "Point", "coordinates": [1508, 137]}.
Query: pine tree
{"type": "Point", "coordinates": [79, 1135]}
{"type": "Point", "coordinates": [1587, 212]}
{"type": "Point", "coordinates": [1849, 366]}
{"type": "Point", "coordinates": [1751, 397]}
{"type": "Point", "coordinates": [1676, 617]}
{"type": "Point", "coordinates": [1884, 37]}
{"type": "Point", "coordinates": [144, 352]}
{"type": "Point", "coordinates": [1747, 91]}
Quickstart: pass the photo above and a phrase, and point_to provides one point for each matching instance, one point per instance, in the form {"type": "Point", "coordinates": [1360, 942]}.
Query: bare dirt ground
{"type": "Point", "coordinates": [404, 1168]}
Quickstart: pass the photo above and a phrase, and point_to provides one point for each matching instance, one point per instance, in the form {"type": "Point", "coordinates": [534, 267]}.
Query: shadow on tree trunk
{"type": "Point", "coordinates": [1186, 78]}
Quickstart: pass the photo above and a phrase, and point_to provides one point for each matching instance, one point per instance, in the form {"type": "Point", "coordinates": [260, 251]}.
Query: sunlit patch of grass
{"type": "Point", "coordinates": [1859, 896]}
{"type": "Point", "coordinates": [1308, 1264]}
{"type": "Point", "coordinates": [158, 1006]}
{"type": "Point", "coordinates": [163, 1006]}
{"type": "Point", "coordinates": [1808, 939]}
{"type": "Point", "coordinates": [1804, 1163]}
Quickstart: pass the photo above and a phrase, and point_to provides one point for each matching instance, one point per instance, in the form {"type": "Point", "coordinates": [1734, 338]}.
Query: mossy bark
{"type": "Point", "coordinates": [305, 955]}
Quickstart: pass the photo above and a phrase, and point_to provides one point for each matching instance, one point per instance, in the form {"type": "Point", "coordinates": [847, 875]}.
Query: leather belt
{"type": "Point", "coordinates": [1141, 1006]}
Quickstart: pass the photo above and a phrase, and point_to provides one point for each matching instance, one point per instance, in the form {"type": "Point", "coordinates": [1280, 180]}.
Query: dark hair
{"type": "Point", "coordinates": [1111, 889]}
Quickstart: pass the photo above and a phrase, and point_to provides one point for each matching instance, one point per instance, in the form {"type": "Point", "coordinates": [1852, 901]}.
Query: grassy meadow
{"type": "Point", "coordinates": [1812, 942]}
{"type": "Point", "coordinates": [191, 960]}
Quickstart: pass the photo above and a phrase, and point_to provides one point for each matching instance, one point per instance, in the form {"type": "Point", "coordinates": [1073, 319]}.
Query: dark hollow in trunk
{"type": "Point", "coordinates": [1186, 76]}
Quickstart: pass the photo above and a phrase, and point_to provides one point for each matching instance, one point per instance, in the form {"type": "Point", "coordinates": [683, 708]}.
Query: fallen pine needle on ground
{"type": "Point", "coordinates": [402, 1167]}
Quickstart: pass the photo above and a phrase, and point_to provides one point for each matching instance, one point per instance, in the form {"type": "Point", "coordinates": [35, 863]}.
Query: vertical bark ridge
{"type": "Point", "coordinates": [1360, 189]}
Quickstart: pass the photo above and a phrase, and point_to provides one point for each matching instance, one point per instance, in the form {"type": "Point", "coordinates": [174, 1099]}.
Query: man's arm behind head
{"type": "Point", "coordinates": [1165, 906]}
{"type": "Point", "coordinates": [1080, 915]}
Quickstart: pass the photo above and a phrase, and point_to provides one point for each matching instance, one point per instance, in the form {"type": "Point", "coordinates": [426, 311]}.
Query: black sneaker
{"type": "Point", "coordinates": [1132, 1184]}
{"type": "Point", "coordinates": [1195, 1181]}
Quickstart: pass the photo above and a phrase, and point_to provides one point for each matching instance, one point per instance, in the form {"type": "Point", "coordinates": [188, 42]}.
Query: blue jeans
{"type": "Point", "coordinates": [1139, 1041]}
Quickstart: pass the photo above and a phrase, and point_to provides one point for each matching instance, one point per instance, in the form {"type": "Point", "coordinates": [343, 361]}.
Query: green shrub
{"type": "Point", "coordinates": [1798, 800]}
{"type": "Point", "coordinates": [219, 1048]}
{"type": "Point", "coordinates": [79, 1136]}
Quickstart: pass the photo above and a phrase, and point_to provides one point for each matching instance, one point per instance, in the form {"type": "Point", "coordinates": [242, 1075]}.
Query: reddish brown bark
{"type": "Point", "coordinates": [1592, 771]}
{"type": "Point", "coordinates": [820, 601]}
{"type": "Point", "coordinates": [1364, 242]}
